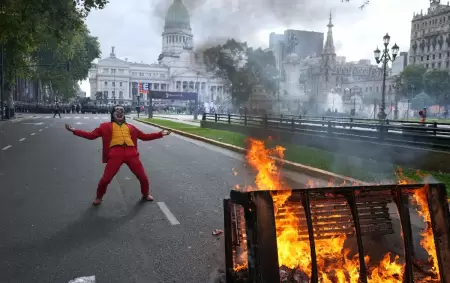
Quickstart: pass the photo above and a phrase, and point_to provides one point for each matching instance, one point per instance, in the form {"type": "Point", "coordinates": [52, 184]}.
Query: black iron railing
{"type": "Point", "coordinates": [251, 230]}
{"type": "Point", "coordinates": [403, 132]}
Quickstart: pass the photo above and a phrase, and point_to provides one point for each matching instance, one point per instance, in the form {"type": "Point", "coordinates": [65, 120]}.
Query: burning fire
{"type": "Point", "coordinates": [335, 264]}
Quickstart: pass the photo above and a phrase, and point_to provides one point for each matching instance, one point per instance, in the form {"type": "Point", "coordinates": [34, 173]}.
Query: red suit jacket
{"type": "Point", "coordinates": [105, 131]}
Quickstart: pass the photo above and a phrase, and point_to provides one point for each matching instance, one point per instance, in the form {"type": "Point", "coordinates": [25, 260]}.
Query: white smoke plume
{"type": "Point", "coordinates": [214, 21]}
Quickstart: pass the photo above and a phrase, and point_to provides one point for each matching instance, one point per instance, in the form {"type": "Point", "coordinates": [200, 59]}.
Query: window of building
{"type": "Point", "coordinates": [113, 93]}
{"type": "Point", "coordinates": [432, 65]}
{"type": "Point", "coordinates": [134, 74]}
{"type": "Point", "coordinates": [113, 71]}
{"type": "Point", "coordinates": [156, 86]}
{"type": "Point", "coordinates": [141, 74]}
{"type": "Point", "coordinates": [446, 64]}
{"type": "Point", "coordinates": [105, 70]}
{"type": "Point", "coordinates": [121, 71]}
{"type": "Point", "coordinates": [427, 66]}
{"type": "Point", "coordinates": [434, 56]}
{"type": "Point", "coordinates": [120, 94]}
{"type": "Point", "coordinates": [162, 75]}
{"type": "Point", "coordinates": [113, 83]}
{"type": "Point", "coordinates": [421, 58]}
{"type": "Point", "coordinates": [428, 57]}
{"type": "Point", "coordinates": [439, 65]}
{"type": "Point", "coordinates": [106, 83]}
{"type": "Point", "coordinates": [120, 83]}
{"type": "Point", "coordinates": [378, 89]}
{"type": "Point", "coordinates": [440, 55]}
{"type": "Point", "coordinates": [414, 60]}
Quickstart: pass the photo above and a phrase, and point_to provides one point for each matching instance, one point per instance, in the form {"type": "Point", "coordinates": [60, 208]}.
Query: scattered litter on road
{"type": "Point", "coordinates": [89, 279]}
{"type": "Point", "coordinates": [217, 232]}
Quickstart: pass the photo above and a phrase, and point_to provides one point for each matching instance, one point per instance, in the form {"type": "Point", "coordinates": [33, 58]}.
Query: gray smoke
{"type": "Point", "coordinates": [214, 21]}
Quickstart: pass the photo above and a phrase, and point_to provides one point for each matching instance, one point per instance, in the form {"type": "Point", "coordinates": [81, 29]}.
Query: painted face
{"type": "Point", "coordinates": [119, 114]}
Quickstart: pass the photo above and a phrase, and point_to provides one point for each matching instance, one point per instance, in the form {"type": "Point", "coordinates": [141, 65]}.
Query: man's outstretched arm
{"type": "Point", "coordinates": [152, 136]}
{"type": "Point", "coordinates": [87, 135]}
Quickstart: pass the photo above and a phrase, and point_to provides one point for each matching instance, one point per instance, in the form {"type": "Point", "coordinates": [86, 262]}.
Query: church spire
{"type": "Point", "coordinates": [329, 43]}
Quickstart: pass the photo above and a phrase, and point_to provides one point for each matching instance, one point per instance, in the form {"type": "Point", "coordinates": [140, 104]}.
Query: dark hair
{"type": "Point", "coordinates": [113, 110]}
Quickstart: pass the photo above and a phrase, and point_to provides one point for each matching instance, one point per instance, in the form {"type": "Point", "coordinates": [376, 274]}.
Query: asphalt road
{"type": "Point", "coordinates": [49, 231]}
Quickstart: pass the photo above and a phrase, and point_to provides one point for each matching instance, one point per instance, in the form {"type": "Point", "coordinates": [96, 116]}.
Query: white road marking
{"type": "Point", "coordinates": [78, 123]}
{"type": "Point", "coordinates": [47, 117]}
{"type": "Point", "coordinates": [6, 147]}
{"type": "Point", "coordinates": [168, 213]}
{"type": "Point", "coordinates": [96, 118]}
{"type": "Point", "coordinates": [46, 127]}
{"type": "Point", "coordinates": [32, 134]}
{"type": "Point", "coordinates": [37, 124]}
{"type": "Point", "coordinates": [87, 279]}
{"type": "Point", "coordinates": [77, 117]}
{"type": "Point", "coordinates": [86, 117]}
{"type": "Point", "coordinates": [104, 118]}
{"type": "Point", "coordinates": [22, 139]}
{"type": "Point", "coordinates": [40, 130]}
{"type": "Point", "coordinates": [66, 117]}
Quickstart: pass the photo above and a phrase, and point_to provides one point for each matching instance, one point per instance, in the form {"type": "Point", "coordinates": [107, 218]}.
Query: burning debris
{"type": "Point", "coordinates": [332, 223]}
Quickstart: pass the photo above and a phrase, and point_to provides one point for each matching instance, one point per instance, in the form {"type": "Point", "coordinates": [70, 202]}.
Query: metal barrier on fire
{"type": "Point", "coordinates": [299, 235]}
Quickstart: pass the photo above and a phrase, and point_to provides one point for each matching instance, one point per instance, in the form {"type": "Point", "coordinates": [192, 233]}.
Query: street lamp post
{"type": "Point", "coordinates": [385, 58]}
{"type": "Point", "coordinates": [114, 95]}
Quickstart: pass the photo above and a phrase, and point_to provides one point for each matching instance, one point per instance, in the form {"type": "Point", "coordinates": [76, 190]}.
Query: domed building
{"type": "Point", "coordinates": [179, 69]}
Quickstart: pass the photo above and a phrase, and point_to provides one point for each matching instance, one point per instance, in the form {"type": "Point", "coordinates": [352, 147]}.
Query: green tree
{"type": "Point", "coordinates": [243, 66]}
{"type": "Point", "coordinates": [410, 80]}
{"type": "Point", "coordinates": [420, 101]}
{"type": "Point", "coordinates": [62, 63]}
{"type": "Point", "coordinates": [437, 84]}
{"type": "Point", "coordinates": [26, 24]}
{"type": "Point", "coordinates": [363, 4]}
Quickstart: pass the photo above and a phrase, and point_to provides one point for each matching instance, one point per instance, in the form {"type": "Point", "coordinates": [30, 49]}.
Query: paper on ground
{"type": "Point", "coordinates": [89, 279]}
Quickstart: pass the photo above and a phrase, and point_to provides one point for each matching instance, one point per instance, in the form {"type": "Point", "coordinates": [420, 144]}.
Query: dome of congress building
{"type": "Point", "coordinates": [177, 15]}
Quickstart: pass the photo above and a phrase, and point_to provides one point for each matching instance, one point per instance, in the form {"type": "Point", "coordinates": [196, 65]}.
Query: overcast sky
{"type": "Point", "coordinates": [134, 27]}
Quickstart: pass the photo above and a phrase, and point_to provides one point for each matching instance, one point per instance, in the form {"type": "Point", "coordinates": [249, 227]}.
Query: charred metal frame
{"type": "Point", "coordinates": [260, 228]}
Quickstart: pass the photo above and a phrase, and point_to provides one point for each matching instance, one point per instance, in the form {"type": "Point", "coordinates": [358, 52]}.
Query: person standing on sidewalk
{"type": "Point", "coordinates": [57, 110]}
{"type": "Point", "coordinates": [120, 146]}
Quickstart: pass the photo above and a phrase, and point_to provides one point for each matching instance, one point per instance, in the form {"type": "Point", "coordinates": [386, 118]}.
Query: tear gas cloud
{"type": "Point", "coordinates": [214, 21]}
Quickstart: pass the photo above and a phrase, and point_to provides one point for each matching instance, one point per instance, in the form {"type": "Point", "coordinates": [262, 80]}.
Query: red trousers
{"type": "Point", "coordinates": [117, 156]}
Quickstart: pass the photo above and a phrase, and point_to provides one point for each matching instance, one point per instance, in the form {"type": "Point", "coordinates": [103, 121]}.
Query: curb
{"type": "Point", "coordinates": [297, 167]}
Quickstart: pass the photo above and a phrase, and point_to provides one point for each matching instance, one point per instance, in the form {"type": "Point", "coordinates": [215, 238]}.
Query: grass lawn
{"type": "Point", "coordinates": [354, 167]}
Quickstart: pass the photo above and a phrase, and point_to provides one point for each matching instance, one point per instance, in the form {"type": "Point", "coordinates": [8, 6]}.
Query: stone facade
{"type": "Point", "coordinates": [430, 37]}
{"type": "Point", "coordinates": [179, 68]}
{"type": "Point", "coordinates": [320, 75]}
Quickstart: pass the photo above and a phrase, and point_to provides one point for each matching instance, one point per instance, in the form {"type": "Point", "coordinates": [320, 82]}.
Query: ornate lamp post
{"type": "Point", "coordinates": [385, 58]}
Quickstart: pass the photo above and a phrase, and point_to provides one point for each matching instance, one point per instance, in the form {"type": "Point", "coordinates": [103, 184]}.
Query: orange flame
{"type": "Point", "coordinates": [335, 264]}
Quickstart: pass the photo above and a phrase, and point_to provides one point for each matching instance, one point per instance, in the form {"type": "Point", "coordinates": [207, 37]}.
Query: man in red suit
{"type": "Point", "coordinates": [120, 146]}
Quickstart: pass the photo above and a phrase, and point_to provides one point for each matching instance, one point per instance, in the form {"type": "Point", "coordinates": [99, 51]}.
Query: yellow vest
{"type": "Point", "coordinates": [121, 135]}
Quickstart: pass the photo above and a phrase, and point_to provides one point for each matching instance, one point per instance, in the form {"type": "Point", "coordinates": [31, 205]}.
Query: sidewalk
{"type": "Point", "coordinates": [185, 119]}
{"type": "Point", "coordinates": [15, 119]}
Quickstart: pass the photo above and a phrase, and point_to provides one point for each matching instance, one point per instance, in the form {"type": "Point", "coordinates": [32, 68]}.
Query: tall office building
{"type": "Point", "coordinates": [430, 40]}
{"type": "Point", "coordinates": [309, 43]}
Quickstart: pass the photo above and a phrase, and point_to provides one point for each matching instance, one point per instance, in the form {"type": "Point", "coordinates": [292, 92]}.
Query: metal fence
{"type": "Point", "coordinates": [429, 134]}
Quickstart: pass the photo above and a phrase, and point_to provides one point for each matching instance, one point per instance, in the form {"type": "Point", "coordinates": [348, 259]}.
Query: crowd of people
{"type": "Point", "coordinates": [47, 108]}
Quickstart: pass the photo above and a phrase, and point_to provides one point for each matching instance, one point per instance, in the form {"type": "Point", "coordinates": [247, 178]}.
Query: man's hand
{"type": "Point", "coordinates": [70, 128]}
{"type": "Point", "coordinates": [165, 132]}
